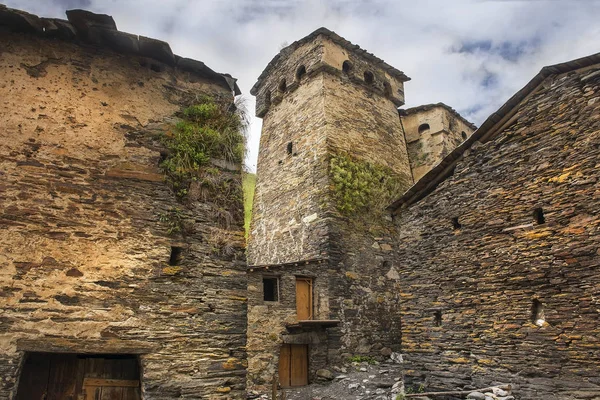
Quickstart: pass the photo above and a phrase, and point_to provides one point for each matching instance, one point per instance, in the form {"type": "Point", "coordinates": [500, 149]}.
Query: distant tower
{"type": "Point", "coordinates": [432, 132]}
{"type": "Point", "coordinates": [332, 151]}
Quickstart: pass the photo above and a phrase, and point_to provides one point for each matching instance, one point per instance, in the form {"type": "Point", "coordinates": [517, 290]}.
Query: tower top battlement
{"type": "Point", "coordinates": [325, 51]}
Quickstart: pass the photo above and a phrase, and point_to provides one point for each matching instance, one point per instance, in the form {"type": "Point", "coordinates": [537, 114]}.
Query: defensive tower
{"type": "Point", "coordinates": [332, 155]}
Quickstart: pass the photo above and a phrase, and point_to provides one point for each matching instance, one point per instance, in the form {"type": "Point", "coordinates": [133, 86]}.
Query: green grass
{"type": "Point", "coordinates": [248, 184]}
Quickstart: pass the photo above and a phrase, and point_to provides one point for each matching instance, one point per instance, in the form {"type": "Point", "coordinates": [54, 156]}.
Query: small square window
{"type": "Point", "coordinates": [270, 289]}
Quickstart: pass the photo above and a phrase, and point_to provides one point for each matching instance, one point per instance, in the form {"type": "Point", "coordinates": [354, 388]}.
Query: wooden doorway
{"type": "Point", "coordinates": [304, 298]}
{"type": "Point", "coordinates": [47, 376]}
{"type": "Point", "coordinates": [293, 365]}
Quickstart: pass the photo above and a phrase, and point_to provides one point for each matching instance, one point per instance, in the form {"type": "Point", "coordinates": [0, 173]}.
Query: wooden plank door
{"type": "Point", "coordinates": [284, 366]}
{"type": "Point", "coordinates": [110, 389]}
{"type": "Point", "coordinates": [304, 299]}
{"type": "Point", "coordinates": [33, 384]}
{"type": "Point", "coordinates": [299, 365]}
{"type": "Point", "coordinates": [293, 365]}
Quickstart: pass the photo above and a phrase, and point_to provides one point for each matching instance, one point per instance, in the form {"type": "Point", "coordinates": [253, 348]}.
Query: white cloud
{"type": "Point", "coordinates": [421, 38]}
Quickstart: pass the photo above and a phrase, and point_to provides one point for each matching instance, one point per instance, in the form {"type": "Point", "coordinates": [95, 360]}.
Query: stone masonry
{"type": "Point", "coordinates": [432, 132]}
{"type": "Point", "coordinates": [320, 98]}
{"type": "Point", "coordinates": [499, 263]}
{"type": "Point", "coordinates": [87, 220]}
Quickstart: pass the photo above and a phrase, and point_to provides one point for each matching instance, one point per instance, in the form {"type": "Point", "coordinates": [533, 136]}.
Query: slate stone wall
{"type": "Point", "coordinates": [85, 217]}
{"type": "Point", "coordinates": [297, 229]}
{"type": "Point", "coordinates": [272, 323]}
{"type": "Point", "coordinates": [468, 291]}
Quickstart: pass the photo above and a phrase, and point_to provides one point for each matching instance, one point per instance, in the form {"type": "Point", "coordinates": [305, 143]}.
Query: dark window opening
{"type": "Point", "coordinates": [537, 313]}
{"type": "Point", "coordinates": [282, 85]}
{"type": "Point", "coordinates": [290, 148]}
{"type": "Point", "coordinates": [176, 255]}
{"type": "Point", "coordinates": [423, 128]}
{"type": "Point", "coordinates": [538, 216]}
{"type": "Point", "coordinates": [464, 135]}
{"type": "Point", "coordinates": [300, 72]}
{"type": "Point", "coordinates": [346, 67]}
{"type": "Point", "coordinates": [369, 77]}
{"type": "Point", "coordinates": [455, 224]}
{"type": "Point", "coordinates": [163, 157]}
{"type": "Point", "coordinates": [437, 318]}
{"type": "Point", "coordinates": [387, 89]}
{"type": "Point", "coordinates": [268, 98]}
{"type": "Point", "coordinates": [270, 289]}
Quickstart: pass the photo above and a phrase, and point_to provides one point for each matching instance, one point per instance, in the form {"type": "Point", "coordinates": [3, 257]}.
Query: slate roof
{"type": "Point", "coordinates": [101, 30]}
{"type": "Point", "coordinates": [487, 131]}
{"type": "Point", "coordinates": [337, 39]}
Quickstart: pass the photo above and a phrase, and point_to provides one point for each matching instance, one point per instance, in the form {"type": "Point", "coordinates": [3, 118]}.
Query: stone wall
{"type": "Point", "coordinates": [87, 222]}
{"type": "Point", "coordinates": [272, 323]}
{"type": "Point", "coordinates": [432, 132]}
{"type": "Point", "coordinates": [332, 109]}
{"type": "Point", "coordinates": [476, 257]}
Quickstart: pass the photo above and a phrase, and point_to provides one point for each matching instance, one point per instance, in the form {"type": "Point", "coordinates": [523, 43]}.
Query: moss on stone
{"type": "Point", "coordinates": [361, 186]}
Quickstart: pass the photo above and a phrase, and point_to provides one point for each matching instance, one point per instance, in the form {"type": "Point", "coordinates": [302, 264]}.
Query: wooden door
{"type": "Point", "coordinates": [304, 299]}
{"type": "Point", "coordinates": [71, 377]}
{"type": "Point", "coordinates": [110, 389]}
{"type": "Point", "coordinates": [293, 365]}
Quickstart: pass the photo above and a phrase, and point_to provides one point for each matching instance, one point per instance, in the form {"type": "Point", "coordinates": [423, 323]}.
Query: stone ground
{"type": "Point", "coordinates": [354, 381]}
{"type": "Point", "coordinates": [370, 381]}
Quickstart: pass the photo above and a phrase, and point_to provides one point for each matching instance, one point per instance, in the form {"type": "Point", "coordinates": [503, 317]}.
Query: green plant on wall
{"type": "Point", "coordinates": [360, 186]}
{"type": "Point", "coordinates": [174, 220]}
{"type": "Point", "coordinates": [212, 128]}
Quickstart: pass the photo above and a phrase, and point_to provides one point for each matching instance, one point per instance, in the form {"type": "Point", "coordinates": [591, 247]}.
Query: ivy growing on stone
{"type": "Point", "coordinates": [361, 186]}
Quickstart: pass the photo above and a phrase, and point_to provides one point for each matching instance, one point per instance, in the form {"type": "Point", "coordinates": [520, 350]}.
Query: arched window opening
{"type": "Point", "coordinates": [290, 148]}
{"type": "Point", "coordinates": [369, 77]}
{"type": "Point", "coordinates": [537, 313]}
{"type": "Point", "coordinates": [300, 72]}
{"type": "Point", "coordinates": [346, 67]}
{"type": "Point", "coordinates": [423, 128]}
{"type": "Point", "coordinates": [282, 85]}
{"type": "Point", "coordinates": [464, 135]}
{"type": "Point", "coordinates": [538, 216]}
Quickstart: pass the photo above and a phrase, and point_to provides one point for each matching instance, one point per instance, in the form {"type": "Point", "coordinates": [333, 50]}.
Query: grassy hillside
{"type": "Point", "coordinates": [248, 183]}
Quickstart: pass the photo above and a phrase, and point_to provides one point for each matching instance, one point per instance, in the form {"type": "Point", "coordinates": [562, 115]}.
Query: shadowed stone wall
{"type": "Point", "coordinates": [87, 220]}
{"type": "Point", "coordinates": [483, 277]}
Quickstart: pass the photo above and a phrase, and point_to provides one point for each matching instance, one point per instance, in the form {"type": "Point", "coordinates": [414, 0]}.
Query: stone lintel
{"type": "Point", "coordinates": [86, 346]}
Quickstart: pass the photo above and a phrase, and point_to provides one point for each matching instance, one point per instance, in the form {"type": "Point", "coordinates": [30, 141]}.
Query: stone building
{"type": "Point", "coordinates": [321, 283]}
{"type": "Point", "coordinates": [498, 247]}
{"type": "Point", "coordinates": [486, 269]}
{"type": "Point", "coordinates": [375, 230]}
{"type": "Point", "coordinates": [109, 285]}
{"type": "Point", "coordinates": [432, 131]}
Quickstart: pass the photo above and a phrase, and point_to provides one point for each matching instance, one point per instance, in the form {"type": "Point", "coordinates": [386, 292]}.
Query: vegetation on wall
{"type": "Point", "coordinates": [210, 130]}
{"type": "Point", "coordinates": [360, 186]}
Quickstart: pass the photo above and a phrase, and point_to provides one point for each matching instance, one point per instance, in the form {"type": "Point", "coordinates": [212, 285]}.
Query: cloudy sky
{"type": "Point", "coordinates": [470, 54]}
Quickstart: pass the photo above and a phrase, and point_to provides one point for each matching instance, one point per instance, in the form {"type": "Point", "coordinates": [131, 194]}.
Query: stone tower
{"type": "Point", "coordinates": [332, 154]}
{"type": "Point", "coordinates": [320, 96]}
